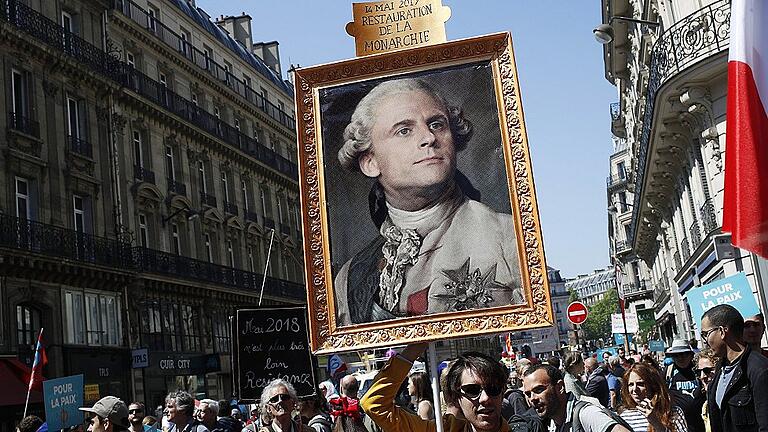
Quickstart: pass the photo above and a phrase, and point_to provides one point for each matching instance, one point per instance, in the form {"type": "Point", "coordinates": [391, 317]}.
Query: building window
{"type": "Point", "coordinates": [244, 190]}
{"type": "Point", "coordinates": [78, 204]}
{"type": "Point", "coordinates": [169, 166]}
{"type": "Point", "coordinates": [247, 81]}
{"type": "Point", "coordinates": [251, 260]}
{"type": "Point", "coordinates": [19, 93]}
{"type": "Point", "coordinates": [175, 239]}
{"type": "Point", "coordinates": [266, 203]}
{"type": "Point", "coordinates": [66, 22]}
{"type": "Point", "coordinates": [23, 199]}
{"type": "Point", "coordinates": [167, 326]}
{"type": "Point", "coordinates": [280, 209]}
{"type": "Point", "coordinates": [227, 72]}
{"type": "Point", "coordinates": [225, 186]}
{"type": "Point", "coordinates": [184, 46]}
{"type": "Point", "coordinates": [143, 230]}
{"type": "Point", "coordinates": [92, 319]}
{"type": "Point", "coordinates": [221, 332]}
{"type": "Point", "coordinates": [138, 149]}
{"type": "Point", "coordinates": [208, 248]}
{"type": "Point", "coordinates": [237, 124]}
{"type": "Point", "coordinates": [152, 14]}
{"type": "Point", "coordinates": [194, 99]}
{"type": "Point", "coordinates": [208, 54]}
{"type": "Point", "coordinates": [230, 254]}
{"type": "Point", "coordinates": [28, 323]}
{"type": "Point", "coordinates": [130, 59]}
{"type": "Point", "coordinates": [73, 118]}
{"type": "Point", "coordinates": [621, 170]}
{"type": "Point", "coordinates": [201, 174]}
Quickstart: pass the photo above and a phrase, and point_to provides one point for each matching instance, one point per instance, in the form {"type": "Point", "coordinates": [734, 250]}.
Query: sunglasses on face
{"type": "Point", "coordinates": [473, 391]}
{"type": "Point", "coordinates": [282, 397]}
{"type": "Point", "coordinates": [750, 324]}
{"type": "Point", "coordinates": [134, 411]}
{"type": "Point", "coordinates": [706, 370]}
{"type": "Point", "coordinates": [705, 333]}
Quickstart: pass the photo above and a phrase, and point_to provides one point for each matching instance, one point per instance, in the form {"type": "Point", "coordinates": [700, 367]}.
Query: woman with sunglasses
{"type": "Point", "coordinates": [418, 389]}
{"type": "Point", "coordinates": [278, 400]}
{"type": "Point", "coordinates": [647, 402]}
{"type": "Point", "coordinates": [705, 367]}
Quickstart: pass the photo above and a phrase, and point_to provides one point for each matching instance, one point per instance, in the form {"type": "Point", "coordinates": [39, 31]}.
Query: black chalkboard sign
{"type": "Point", "coordinates": [272, 343]}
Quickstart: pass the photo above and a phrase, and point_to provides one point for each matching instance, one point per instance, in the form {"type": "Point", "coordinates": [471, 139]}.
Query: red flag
{"type": "Point", "coordinates": [745, 201]}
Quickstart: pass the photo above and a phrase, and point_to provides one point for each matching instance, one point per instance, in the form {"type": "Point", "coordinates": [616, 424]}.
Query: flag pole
{"type": "Point", "coordinates": [32, 375]}
{"type": "Point", "coordinates": [266, 265]}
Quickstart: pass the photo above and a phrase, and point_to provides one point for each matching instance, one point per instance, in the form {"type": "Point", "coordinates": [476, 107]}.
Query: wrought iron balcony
{"type": "Point", "coordinates": [154, 261]}
{"type": "Point", "coordinates": [143, 174]}
{"type": "Point", "coordinates": [176, 187]}
{"type": "Point", "coordinates": [230, 207]}
{"type": "Point", "coordinates": [79, 146]}
{"type": "Point", "coordinates": [615, 111]}
{"type": "Point", "coordinates": [63, 243]}
{"type": "Point", "coordinates": [694, 38]}
{"type": "Point", "coordinates": [623, 246]}
{"type": "Point", "coordinates": [51, 33]}
{"type": "Point", "coordinates": [708, 217]}
{"type": "Point", "coordinates": [208, 200]}
{"type": "Point", "coordinates": [614, 181]}
{"type": "Point", "coordinates": [638, 288]}
{"type": "Point", "coordinates": [23, 124]}
{"type": "Point", "coordinates": [251, 216]}
{"type": "Point", "coordinates": [203, 60]}
{"type": "Point", "coordinates": [685, 250]}
{"type": "Point", "coordinates": [695, 234]}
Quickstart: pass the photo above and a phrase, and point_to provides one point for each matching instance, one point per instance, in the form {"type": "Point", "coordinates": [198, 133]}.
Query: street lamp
{"type": "Point", "coordinates": [604, 32]}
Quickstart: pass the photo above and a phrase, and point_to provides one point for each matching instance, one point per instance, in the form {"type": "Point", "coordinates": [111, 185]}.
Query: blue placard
{"type": "Point", "coordinates": [612, 350]}
{"type": "Point", "coordinates": [62, 398]}
{"type": "Point", "coordinates": [619, 338]}
{"type": "Point", "coordinates": [656, 345]}
{"type": "Point", "coordinates": [733, 290]}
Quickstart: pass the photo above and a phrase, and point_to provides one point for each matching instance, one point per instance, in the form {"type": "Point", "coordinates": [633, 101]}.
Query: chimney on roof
{"type": "Point", "coordinates": [270, 54]}
{"type": "Point", "coordinates": [239, 27]}
{"type": "Point", "coordinates": [192, 3]}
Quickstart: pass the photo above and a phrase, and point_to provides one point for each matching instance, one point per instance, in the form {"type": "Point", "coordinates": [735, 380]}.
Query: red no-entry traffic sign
{"type": "Point", "coordinates": [577, 312]}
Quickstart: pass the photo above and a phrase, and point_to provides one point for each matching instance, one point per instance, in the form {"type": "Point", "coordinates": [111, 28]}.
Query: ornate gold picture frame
{"type": "Point", "coordinates": [418, 204]}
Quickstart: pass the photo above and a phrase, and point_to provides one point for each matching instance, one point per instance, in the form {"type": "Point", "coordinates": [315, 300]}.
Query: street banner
{"type": "Point", "coordinates": [656, 345]}
{"type": "Point", "coordinates": [62, 398]}
{"type": "Point", "coordinates": [617, 323]}
{"type": "Point", "coordinates": [734, 290]}
{"type": "Point", "coordinates": [272, 343]}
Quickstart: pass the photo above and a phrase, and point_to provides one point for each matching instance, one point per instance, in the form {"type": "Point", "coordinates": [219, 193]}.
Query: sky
{"type": "Point", "coordinates": [564, 92]}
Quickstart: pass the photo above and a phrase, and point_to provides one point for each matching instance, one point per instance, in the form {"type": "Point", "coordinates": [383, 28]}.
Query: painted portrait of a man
{"type": "Point", "coordinates": [429, 243]}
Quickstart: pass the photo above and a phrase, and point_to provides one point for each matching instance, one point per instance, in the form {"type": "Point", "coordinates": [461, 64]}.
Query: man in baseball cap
{"type": "Point", "coordinates": [109, 414]}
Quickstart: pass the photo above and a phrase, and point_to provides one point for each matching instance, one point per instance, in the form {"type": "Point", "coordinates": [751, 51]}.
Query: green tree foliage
{"type": "Point", "coordinates": [572, 296]}
{"type": "Point", "coordinates": [598, 324]}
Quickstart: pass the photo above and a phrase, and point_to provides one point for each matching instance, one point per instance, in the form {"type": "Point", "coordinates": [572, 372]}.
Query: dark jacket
{"type": "Point", "coordinates": [745, 403]}
{"type": "Point", "coordinates": [597, 386]}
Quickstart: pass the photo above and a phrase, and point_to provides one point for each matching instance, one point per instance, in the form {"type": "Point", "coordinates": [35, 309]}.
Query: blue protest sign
{"type": "Point", "coordinates": [733, 290]}
{"type": "Point", "coordinates": [656, 345]}
{"type": "Point", "coordinates": [612, 350]}
{"type": "Point", "coordinates": [619, 338]}
{"type": "Point", "coordinates": [62, 398]}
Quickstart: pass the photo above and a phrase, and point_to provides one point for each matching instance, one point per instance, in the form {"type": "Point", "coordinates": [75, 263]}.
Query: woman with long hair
{"type": "Point", "coordinates": [647, 402]}
{"type": "Point", "coordinates": [418, 388]}
{"type": "Point", "coordinates": [574, 367]}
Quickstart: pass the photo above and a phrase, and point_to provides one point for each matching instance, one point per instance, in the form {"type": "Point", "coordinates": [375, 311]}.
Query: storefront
{"type": "Point", "coordinates": [169, 371]}
{"type": "Point", "coordinates": [105, 370]}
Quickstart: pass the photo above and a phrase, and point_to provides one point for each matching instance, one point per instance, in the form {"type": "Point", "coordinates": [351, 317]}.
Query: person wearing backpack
{"type": "Point", "coordinates": [314, 412]}
{"type": "Point", "coordinates": [545, 389]}
{"type": "Point", "coordinates": [647, 402]}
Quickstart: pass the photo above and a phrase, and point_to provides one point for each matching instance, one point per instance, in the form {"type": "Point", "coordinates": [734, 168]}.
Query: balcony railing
{"type": "Point", "coordinates": [269, 223]}
{"type": "Point", "coordinates": [203, 60]}
{"type": "Point", "coordinates": [285, 229]}
{"type": "Point", "coordinates": [207, 199]}
{"type": "Point", "coordinates": [230, 207]}
{"type": "Point", "coordinates": [616, 180]}
{"type": "Point", "coordinates": [143, 174]}
{"type": "Point", "coordinates": [685, 250]}
{"type": "Point", "coordinates": [63, 243]}
{"type": "Point", "coordinates": [79, 146]}
{"type": "Point", "coordinates": [622, 246]}
{"type": "Point", "coordinates": [708, 217]}
{"type": "Point", "coordinates": [23, 124]}
{"type": "Point", "coordinates": [615, 111]}
{"type": "Point", "coordinates": [696, 37]}
{"type": "Point", "coordinates": [176, 187]}
{"type": "Point", "coordinates": [51, 33]}
{"type": "Point", "coordinates": [59, 242]}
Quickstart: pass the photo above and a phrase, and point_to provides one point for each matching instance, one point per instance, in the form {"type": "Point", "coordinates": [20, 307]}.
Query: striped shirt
{"type": "Point", "coordinates": [639, 422]}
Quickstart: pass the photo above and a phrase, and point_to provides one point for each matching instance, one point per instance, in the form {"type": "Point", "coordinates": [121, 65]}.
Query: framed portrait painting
{"type": "Point", "coordinates": [418, 205]}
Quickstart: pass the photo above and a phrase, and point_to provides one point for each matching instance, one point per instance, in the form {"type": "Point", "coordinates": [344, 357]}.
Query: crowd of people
{"type": "Point", "coordinates": [716, 389]}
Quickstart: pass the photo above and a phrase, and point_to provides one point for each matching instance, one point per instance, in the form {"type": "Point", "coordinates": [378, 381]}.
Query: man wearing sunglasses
{"type": "Point", "coordinates": [278, 400]}
{"type": "Point", "coordinates": [474, 382]}
{"type": "Point", "coordinates": [136, 417]}
{"type": "Point", "coordinates": [736, 397]}
{"type": "Point", "coordinates": [109, 414]}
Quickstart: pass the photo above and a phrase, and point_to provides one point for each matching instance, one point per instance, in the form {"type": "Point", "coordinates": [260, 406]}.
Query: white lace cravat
{"type": "Point", "coordinates": [401, 249]}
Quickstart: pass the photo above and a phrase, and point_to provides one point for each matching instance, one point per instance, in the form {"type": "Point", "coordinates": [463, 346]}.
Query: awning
{"type": "Point", "coordinates": [15, 378]}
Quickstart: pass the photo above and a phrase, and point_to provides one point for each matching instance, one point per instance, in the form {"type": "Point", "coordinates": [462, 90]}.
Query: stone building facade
{"type": "Point", "coordinates": [148, 171]}
{"type": "Point", "coordinates": [671, 81]}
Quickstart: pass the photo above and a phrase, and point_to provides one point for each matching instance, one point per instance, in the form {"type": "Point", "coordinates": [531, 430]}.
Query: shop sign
{"type": "Point", "coordinates": [92, 392]}
{"type": "Point", "coordinates": [139, 358]}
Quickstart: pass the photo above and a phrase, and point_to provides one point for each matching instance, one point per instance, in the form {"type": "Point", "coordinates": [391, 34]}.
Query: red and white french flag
{"type": "Point", "coordinates": [40, 360]}
{"type": "Point", "coordinates": [745, 201]}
